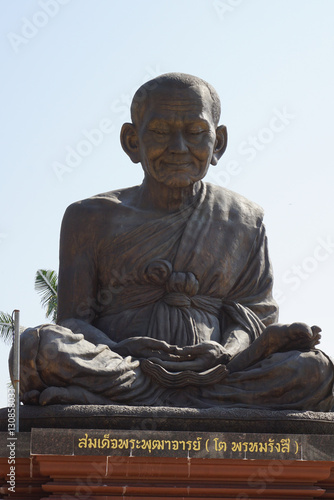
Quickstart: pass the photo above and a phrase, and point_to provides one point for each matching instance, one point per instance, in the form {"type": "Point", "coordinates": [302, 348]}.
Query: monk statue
{"type": "Point", "coordinates": [165, 289]}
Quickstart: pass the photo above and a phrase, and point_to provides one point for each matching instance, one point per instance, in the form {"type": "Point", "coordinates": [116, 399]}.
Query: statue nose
{"type": "Point", "coordinates": [177, 143]}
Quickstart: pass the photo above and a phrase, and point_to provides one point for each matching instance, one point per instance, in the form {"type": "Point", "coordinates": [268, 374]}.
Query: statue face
{"type": "Point", "coordinates": [177, 135]}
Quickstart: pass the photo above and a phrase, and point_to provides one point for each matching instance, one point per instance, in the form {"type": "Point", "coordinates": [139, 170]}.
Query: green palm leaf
{"type": "Point", "coordinates": [6, 327]}
{"type": "Point", "coordinates": [46, 284]}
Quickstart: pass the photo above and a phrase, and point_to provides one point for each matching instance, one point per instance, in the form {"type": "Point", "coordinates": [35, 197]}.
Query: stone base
{"type": "Point", "coordinates": [178, 419]}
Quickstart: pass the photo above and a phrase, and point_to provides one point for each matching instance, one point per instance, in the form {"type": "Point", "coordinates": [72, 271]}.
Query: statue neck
{"type": "Point", "coordinates": [157, 196]}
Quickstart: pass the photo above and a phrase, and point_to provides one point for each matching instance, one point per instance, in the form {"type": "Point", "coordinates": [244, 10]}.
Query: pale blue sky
{"type": "Point", "coordinates": [71, 66]}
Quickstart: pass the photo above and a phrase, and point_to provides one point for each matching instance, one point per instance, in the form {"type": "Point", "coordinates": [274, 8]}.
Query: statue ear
{"type": "Point", "coordinates": [129, 141]}
{"type": "Point", "coordinates": [220, 145]}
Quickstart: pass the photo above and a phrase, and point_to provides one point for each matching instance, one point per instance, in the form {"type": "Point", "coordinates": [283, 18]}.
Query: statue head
{"type": "Point", "coordinates": [174, 132]}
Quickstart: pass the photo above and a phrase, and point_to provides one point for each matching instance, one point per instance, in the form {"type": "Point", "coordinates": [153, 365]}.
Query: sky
{"type": "Point", "coordinates": [69, 71]}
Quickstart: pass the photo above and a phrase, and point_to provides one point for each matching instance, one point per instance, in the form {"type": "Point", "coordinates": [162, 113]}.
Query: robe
{"type": "Point", "coordinates": [174, 278]}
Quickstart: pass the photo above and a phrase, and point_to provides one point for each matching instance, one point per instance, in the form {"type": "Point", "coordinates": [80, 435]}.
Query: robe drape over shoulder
{"type": "Point", "coordinates": [190, 276]}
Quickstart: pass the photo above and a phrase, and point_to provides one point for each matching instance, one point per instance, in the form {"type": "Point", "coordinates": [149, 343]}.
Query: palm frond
{"type": "Point", "coordinates": [46, 284]}
{"type": "Point", "coordinates": [6, 326]}
{"type": "Point", "coordinates": [51, 311]}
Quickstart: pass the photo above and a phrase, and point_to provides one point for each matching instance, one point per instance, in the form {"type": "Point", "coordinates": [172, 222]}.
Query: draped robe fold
{"type": "Point", "coordinates": [192, 275]}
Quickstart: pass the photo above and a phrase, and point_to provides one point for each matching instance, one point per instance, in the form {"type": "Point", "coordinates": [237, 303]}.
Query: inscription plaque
{"type": "Point", "coordinates": [136, 443]}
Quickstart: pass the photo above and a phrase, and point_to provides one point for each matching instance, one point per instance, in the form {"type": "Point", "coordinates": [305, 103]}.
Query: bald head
{"type": "Point", "coordinates": [175, 81]}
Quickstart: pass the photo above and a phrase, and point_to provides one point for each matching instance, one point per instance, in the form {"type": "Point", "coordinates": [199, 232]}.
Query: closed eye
{"type": "Point", "coordinates": [159, 131]}
{"type": "Point", "coordinates": [196, 131]}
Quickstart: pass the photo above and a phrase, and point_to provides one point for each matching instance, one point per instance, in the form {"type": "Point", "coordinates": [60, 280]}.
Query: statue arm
{"type": "Point", "coordinates": [250, 306]}
{"type": "Point", "coordinates": [253, 289]}
{"type": "Point", "coordinates": [77, 281]}
{"type": "Point", "coordinates": [236, 341]}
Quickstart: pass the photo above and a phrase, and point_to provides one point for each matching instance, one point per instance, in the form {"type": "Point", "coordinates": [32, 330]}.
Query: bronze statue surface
{"type": "Point", "coordinates": [165, 289]}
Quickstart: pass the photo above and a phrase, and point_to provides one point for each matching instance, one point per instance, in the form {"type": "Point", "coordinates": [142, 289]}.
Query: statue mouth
{"type": "Point", "coordinates": [177, 164]}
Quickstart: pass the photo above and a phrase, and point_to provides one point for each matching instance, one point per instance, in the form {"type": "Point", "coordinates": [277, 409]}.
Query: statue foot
{"type": "Point", "coordinates": [296, 336]}
{"type": "Point", "coordinates": [55, 395]}
{"type": "Point", "coordinates": [276, 338]}
{"type": "Point", "coordinates": [31, 397]}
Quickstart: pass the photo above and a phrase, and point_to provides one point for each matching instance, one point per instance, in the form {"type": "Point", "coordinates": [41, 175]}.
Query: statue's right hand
{"type": "Point", "coordinates": [145, 347]}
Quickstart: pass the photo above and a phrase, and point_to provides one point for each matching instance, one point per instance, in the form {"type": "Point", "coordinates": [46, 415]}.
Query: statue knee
{"type": "Point", "coordinates": [29, 376]}
{"type": "Point", "coordinates": [320, 365]}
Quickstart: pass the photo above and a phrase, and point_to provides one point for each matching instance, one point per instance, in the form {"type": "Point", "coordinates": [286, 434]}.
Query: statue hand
{"type": "Point", "coordinates": [296, 336]}
{"type": "Point", "coordinates": [199, 357]}
{"type": "Point", "coordinates": [145, 347]}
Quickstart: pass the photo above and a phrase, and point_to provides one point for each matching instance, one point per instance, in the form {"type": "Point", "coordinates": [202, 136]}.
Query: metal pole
{"type": "Point", "coordinates": [16, 367]}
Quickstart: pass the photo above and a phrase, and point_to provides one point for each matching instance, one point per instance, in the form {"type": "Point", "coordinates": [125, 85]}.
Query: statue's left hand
{"type": "Point", "coordinates": [199, 357]}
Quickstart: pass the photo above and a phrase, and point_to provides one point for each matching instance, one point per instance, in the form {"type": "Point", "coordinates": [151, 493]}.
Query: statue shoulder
{"type": "Point", "coordinates": [103, 203]}
{"type": "Point", "coordinates": [235, 207]}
